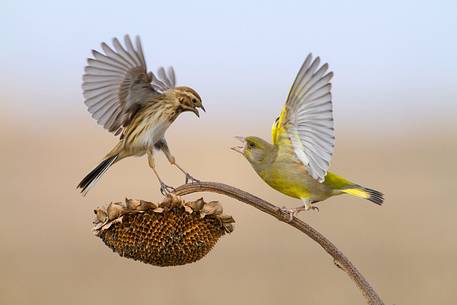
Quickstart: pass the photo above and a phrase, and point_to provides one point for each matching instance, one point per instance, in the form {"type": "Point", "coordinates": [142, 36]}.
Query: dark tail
{"type": "Point", "coordinates": [364, 192]}
{"type": "Point", "coordinates": [95, 174]}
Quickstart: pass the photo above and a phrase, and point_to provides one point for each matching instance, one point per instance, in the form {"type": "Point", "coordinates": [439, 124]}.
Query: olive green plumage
{"type": "Point", "coordinates": [282, 170]}
{"type": "Point", "coordinates": [297, 162]}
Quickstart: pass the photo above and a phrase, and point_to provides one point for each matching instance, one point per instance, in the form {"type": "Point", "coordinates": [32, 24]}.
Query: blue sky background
{"type": "Point", "coordinates": [394, 61]}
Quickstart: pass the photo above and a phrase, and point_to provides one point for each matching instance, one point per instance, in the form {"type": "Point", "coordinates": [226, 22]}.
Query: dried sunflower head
{"type": "Point", "coordinates": [172, 233]}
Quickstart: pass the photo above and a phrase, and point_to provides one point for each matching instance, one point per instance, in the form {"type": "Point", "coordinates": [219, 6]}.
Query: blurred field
{"type": "Point", "coordinates": [406, 248]}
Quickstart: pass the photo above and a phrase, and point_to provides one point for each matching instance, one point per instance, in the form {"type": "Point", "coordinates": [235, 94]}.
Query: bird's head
{"type": "Point", "coordinates": [258, 151]}
{"type": "Point", "coordinates": [188, 100]}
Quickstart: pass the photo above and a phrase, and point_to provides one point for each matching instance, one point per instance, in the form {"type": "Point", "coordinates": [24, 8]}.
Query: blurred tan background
{"type": "Point", "coordinates": [394, 94]}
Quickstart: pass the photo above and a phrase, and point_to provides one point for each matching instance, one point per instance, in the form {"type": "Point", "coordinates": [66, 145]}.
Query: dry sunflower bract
{"type": "Point", "coordinates": [172, 233]}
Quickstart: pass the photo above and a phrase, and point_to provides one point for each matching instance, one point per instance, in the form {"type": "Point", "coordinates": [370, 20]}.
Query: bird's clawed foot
{"type": "Point", "coordinates": [293, 212]}
{"type": "Point", "coordinates": [190, 179]}
{"type": "Point", "coordinates": [314, 208]}
{"type": "Point", "coordinates": [166, 189]}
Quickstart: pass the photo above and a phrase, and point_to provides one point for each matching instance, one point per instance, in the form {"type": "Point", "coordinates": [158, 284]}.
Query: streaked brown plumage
{"type": "Point", "coordinates": [127, 100]}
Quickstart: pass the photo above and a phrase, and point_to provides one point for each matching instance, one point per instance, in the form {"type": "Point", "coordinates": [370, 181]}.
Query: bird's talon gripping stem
{"type": "Point", "coordinates": [166, 189]}
{"type": "Point", "coordinates": [293, 212]}
{"type": "Point", "coordinates": [290, 212]}
{"type": "Point", "coordinates": [191, 179]}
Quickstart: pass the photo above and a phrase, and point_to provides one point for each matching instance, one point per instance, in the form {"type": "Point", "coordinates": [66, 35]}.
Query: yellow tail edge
{"type": "Point", "coordinates": [365, 193]}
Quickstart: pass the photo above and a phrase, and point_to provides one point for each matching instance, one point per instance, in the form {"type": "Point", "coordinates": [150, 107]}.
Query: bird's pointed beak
{"type": "Point", "coordinates": [239, 148]}
{"type": "Point", "coordinates": [195, 110]}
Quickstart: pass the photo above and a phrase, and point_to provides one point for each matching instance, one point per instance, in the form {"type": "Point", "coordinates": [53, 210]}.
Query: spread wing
{"type": "Point", "coordinates": [116, 83]}
{"type": "Point", "coordinates": [306, 121]}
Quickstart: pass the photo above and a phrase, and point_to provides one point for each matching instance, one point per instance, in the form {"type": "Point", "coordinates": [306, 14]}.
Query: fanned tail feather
{"type": "Point", "coordinates": [91, 178]}
{"type": "Point", "coordinates": [364, 192]}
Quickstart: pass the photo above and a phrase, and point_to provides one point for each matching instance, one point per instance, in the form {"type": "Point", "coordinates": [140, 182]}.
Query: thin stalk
{"type": "Point", "coordinates": [339, 258]}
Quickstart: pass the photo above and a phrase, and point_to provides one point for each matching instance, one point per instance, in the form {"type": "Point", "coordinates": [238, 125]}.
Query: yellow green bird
{"type": "Point", "coordinates": [296, 163]}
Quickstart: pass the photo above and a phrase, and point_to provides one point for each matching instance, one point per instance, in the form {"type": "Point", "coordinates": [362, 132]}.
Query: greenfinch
{"type": "Point", "coordinates": [297, 162]}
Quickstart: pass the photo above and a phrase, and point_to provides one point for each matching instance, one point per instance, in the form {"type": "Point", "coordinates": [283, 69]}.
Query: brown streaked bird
{"type": "Point", "coordinates": [129, 101]}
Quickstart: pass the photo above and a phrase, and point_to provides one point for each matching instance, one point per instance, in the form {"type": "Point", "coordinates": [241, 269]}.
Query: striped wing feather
{"type": "Point", "coordinates": [307, 117]}
{"type": "Point", "coordinates": [116, 83]}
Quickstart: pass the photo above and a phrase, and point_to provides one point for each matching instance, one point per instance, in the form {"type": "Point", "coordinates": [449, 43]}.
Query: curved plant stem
{"type": "Point", "coordinates": [339, 258]}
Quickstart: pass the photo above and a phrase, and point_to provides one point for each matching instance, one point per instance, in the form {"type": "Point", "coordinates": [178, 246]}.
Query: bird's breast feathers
{"type": "Point", "coordinates": [145, 130]}
{"type": "Point", "coordinates": [154, 132]}
{"type": "Point", "coordinates": [288, 175]}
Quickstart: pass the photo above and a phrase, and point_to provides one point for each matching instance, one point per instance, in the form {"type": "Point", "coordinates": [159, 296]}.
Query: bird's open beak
{"type": "Point", "coordinates": [239, 148]}
{"type": "Point", "coordinates": [195, 110]}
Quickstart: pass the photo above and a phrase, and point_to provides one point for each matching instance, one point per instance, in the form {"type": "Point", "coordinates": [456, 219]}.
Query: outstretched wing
{"type": "Point", "coordinates": [306, 121]}
{"type": "Point", "coordinates": [116, 83]}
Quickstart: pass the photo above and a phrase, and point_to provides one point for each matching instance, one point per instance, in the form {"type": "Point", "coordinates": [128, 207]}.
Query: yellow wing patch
{"type": "Point", "coordinates": [278, 130]}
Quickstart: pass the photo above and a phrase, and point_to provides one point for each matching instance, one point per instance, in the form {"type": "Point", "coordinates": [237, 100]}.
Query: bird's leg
{"type": "Point", "coordinates": [162, 145]}
{"type": "Point", "coordinates": [308, 205]}
{"type": "Point", "coordinates": [164, 189]}
{"type": "Point", "coordinates": [188, 176]}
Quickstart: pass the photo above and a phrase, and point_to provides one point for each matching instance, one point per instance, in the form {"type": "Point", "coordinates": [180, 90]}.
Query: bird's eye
{"type": "Point", "coordinates": [251, 145]}
{"type": "Point", "coordinates": [194, 101]}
